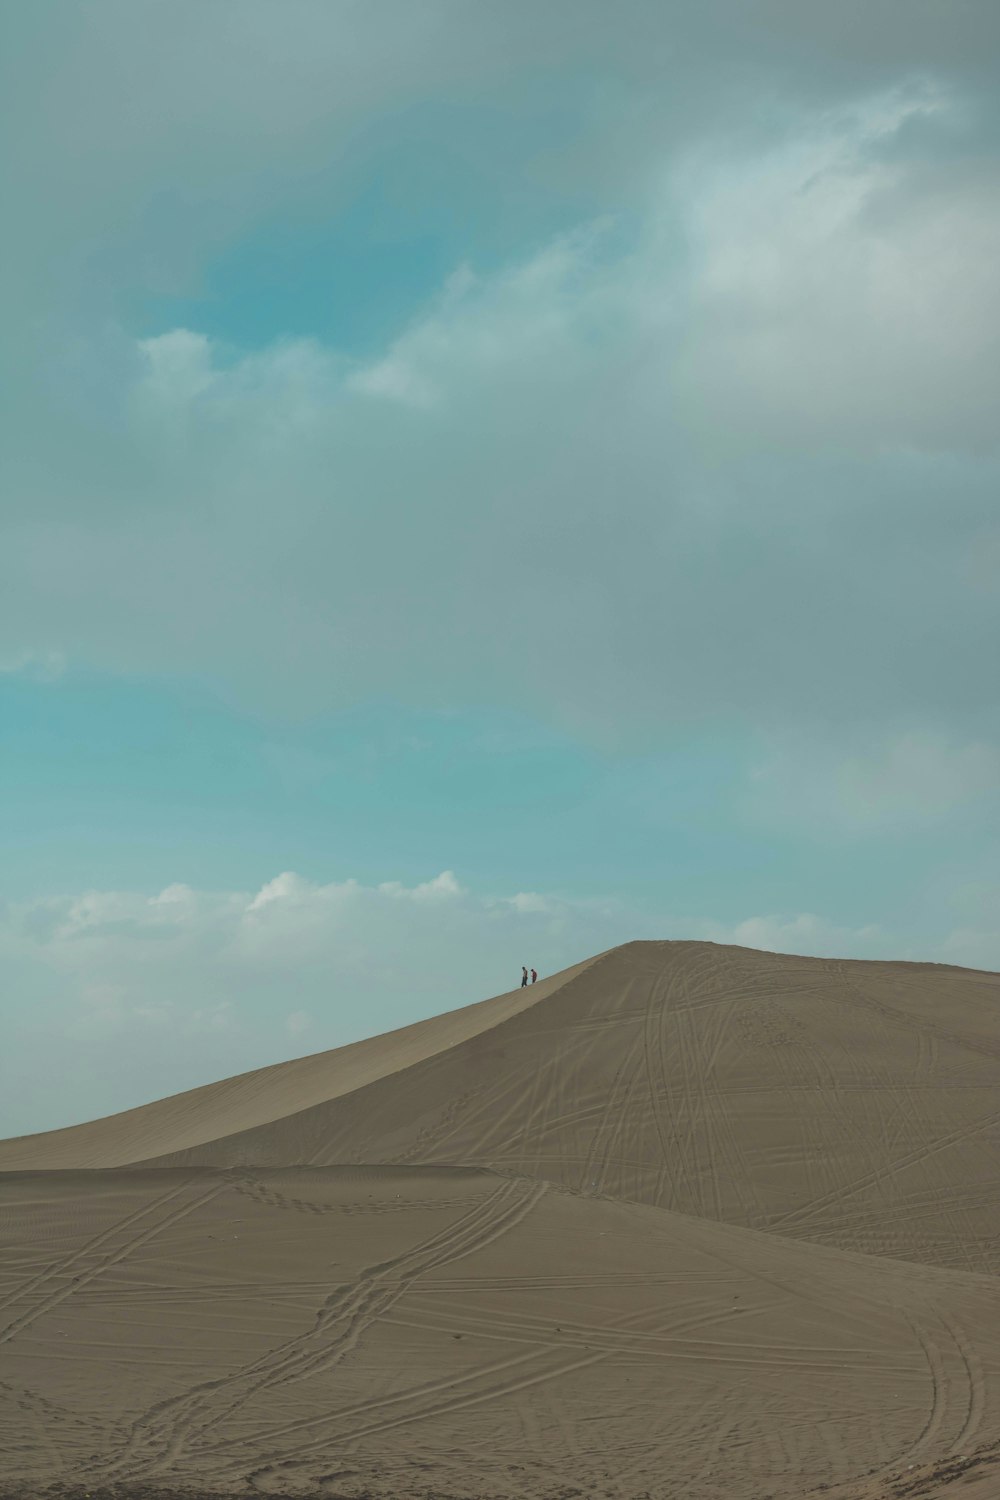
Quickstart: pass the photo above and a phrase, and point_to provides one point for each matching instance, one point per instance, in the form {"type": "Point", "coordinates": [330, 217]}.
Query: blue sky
{"type": "Point", "coordinates": [481, 484]}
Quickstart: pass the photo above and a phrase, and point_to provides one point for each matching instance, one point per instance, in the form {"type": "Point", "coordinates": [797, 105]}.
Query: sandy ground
{"type": "Point", "coordinates": [685, 1221]}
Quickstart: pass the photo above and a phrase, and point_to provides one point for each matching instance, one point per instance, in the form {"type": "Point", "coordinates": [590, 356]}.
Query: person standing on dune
{"type": "Point", "coordinates": [524, 976]}
{"type": "Point", "coordinates": [534, 975]}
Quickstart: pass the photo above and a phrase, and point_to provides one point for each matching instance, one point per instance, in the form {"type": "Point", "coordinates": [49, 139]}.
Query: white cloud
{"type": "Point", "coordinates": [442, 888]}
{"type": "Point", "coordinates": [286, 887]}
{"type": "Point", "coordinates": [808, 934]}
{"type": "Point", "coordinates": [704, 458]}
{"type": "Point", "coordinates": [530, 901]}
{"type": "Point", "coordinates": [839, 297]}
{"type": "Point", "coordinates": [394, 379]}
{"type": "Point", "coordinates": [828, 292]}
{"type": "Point", "coordinates": [178, 368]}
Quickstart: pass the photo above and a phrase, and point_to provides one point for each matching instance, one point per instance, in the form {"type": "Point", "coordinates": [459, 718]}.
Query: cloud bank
{"type": "Point", "coordinates": [725, 453]}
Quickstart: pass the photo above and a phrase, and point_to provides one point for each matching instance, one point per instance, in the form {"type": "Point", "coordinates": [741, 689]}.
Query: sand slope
{"type": "Point", "coordinates": [453, 1330]}
{"type": "Point", "coordinates": [598, 1237]}
{"type": "Point", "coordinates": [856, 1104]}
{"type": "Point", "coordinates": [195, 1119]}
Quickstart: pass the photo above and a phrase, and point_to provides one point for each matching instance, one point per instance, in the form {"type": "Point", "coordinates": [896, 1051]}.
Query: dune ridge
{"type": "Point", "coordinates": [263, 1096]}
{"type": "Point", "coordinates": [684, 1220]}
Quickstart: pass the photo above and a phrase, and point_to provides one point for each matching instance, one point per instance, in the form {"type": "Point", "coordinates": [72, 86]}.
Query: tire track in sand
{"type": "Point", "coordinates": [69, 1261]}
{"type": "Point", "coordinates": [113, 1258]}
{"type": "Point", "coordinates": [160, 1436]}
{"type": "Point", "coordinates": [943, 1389]}
{"type": "Point", "coordinates": [511, 1376]}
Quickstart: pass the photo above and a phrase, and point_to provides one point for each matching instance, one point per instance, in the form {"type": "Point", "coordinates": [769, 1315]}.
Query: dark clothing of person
{"type": "Point", "coordinates": [524, 978]}
{"type": "Point", "coordinates": [534, 975]}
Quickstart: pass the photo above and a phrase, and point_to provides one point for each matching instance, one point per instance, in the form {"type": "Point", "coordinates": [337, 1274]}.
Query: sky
{"type": "Point", "coordinates": [480, 484]}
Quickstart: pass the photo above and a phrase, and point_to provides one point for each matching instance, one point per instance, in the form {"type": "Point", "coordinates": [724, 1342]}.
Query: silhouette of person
{"type": "Point", "coordinates": [524, 976]}
{"type": "Point", "coordinates": [534, 975]}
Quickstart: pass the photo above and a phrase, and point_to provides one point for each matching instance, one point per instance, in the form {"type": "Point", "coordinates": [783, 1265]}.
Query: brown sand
{"type": "Point", "coordinates": [684, 1221]}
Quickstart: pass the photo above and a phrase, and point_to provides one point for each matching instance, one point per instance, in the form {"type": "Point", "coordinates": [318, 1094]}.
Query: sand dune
{"type": "Point", "coordinates": [265, 1097]}
{"type": "Point", "coordinates": [856, 1104]}
{"type": "Point", "coordinates": [599, 1237]}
